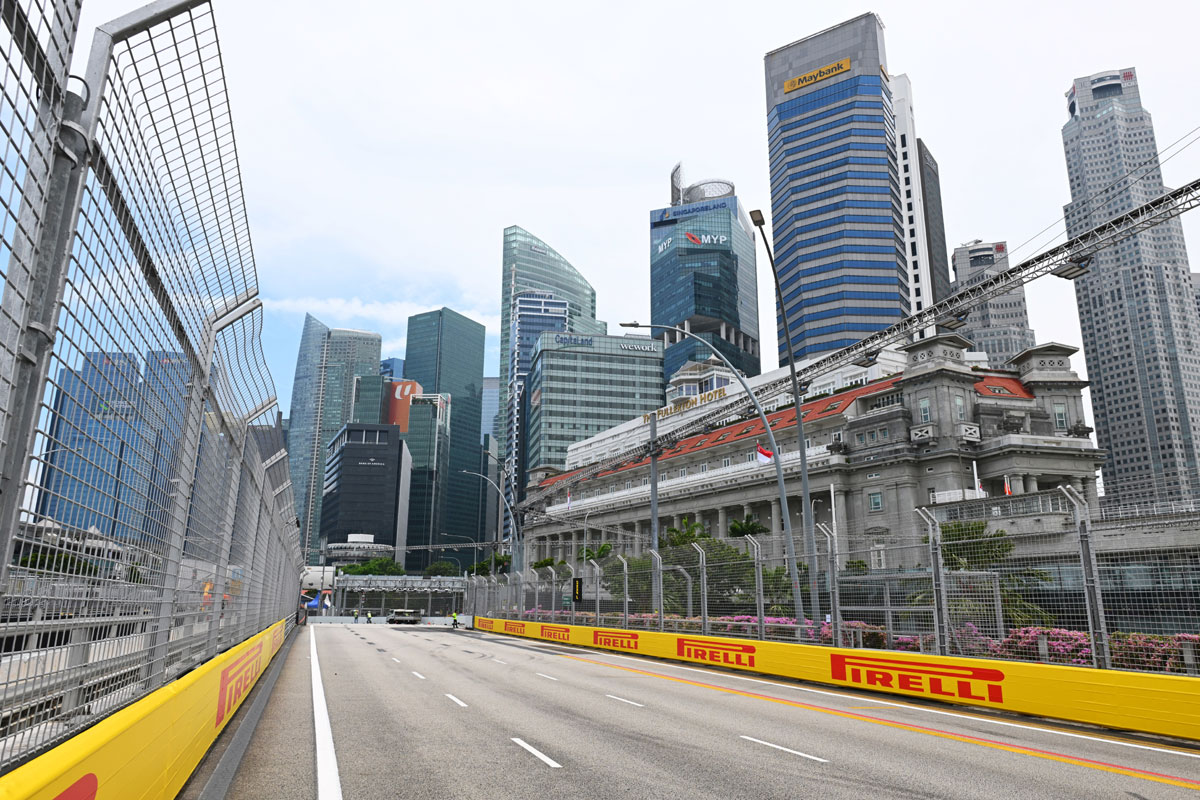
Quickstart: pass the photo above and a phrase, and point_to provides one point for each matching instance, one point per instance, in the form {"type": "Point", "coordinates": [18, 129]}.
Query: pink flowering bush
{"type": "Point", "coordinates": [1150, 652]}
{"type": "Point", "coordinates": [1063, 646]}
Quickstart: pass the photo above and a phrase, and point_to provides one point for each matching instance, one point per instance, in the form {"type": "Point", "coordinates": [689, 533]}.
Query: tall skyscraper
{"type": "Point", "coordinates": [1137, 304]}
{"type": "Point", "coordinates": [392, 368]}
{"type": "Point", "coordinates": [703, 277]}
{"type": "Point", "coordinates": [491, 406]}
{"type": "Point", "coordinates": [323, 393]}
{"type": "Point", "coordinates": [924, 226]}
{"type": "Point", "coordinates": [445, 355]}
{"type": "Point", "coordinates": [837, 211]}
{"type": "Point", "coordinates": [999, 326]}
{"type": "Point", "coordinates": [529, 264]}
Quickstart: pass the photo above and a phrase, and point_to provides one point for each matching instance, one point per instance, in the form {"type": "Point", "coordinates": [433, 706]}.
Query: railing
{"type": "Point", "coordinates": [146, 515]}
{"type": "Point", "coordinates": [963, 587]}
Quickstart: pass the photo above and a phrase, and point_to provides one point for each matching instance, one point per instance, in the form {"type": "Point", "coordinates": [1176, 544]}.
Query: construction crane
{"type": "Point", "coordinates": [1069, 260]}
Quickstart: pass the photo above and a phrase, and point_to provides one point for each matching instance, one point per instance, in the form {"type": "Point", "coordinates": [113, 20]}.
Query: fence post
{"type": "Point", "coordinates": [624, 591]}
{"type": "Point", "coordinates": [220, 577]}
{"type": "Point", "coordinates": [1091, 586]}
{"type": "Point", "coordinates": [703, 588]}
{"type": "Point", "coordinates": [553, 592]}
{"type": "Point", "coordinates": [835, 595]}
{"type": "Point", "coordinates": [758, 589]}
{"type": "Point", "coordinates": [941, 627]}
{"type": "Point", "coordinates": [656, 559]}
{"type": "Point", "coordinates": [596, 573]}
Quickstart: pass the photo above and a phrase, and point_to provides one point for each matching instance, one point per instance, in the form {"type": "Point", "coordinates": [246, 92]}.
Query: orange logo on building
{"type": "Point", "coordinates": [514, 627]}
{"type": "Point", "coordinates": [727, 653]}
{"type": "Point", "coordinates": [935, 680]}
{"type": "Point", "coordinates": [620, 640]}
{"type": "Point", "coordinates": [484, 624]}
{"type": "Point", "coordinates": [236, 680]}
{"type": "Point", "coordinates": [556, 632]}
{"type": "Point", "coordinates": [83, 789]}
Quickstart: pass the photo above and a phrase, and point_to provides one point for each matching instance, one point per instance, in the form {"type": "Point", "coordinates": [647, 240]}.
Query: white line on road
{"type": "Point", "coordinates": [498, 661]}
{"type": "Point", "coordinates": [549, 761]}
{"type": "Point", "coordinates": [544, 675]}
{"type": "Point", "coordinates": [623, 700]}
{"type": "Point", "coordinates": [784, 749]}
{"type": "Point", "coordinates": [329, 785]}
{"type": "Point", "coordinates": [455, 699]}
{"type": "Point", "coordinates": [419, 675]}
{"type": "Point", "coordinates": [395, 659]}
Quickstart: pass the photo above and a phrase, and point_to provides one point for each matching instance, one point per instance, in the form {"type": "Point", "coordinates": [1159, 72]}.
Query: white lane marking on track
{"type": "Point", "coordinates": [395, 659]}
{"type": "Point", "coordinates": [498, 661]}
{"type": "Point", "coordinates": [547, 759]}
{"type": "Point", "coordinates": [993, 721]}
{"type": "Point", "coordinates": [455, 699]}
{"type": "Point", "coordinates": [329, 784]}
{"type": "Point", "coordinates": [785, 749]}
{"type": "Point", "coordinates": [623, 700]}
{"type": "Point", "coordinates": [544, 675]}
{"type": "Point", "coordinates": [419, 675]}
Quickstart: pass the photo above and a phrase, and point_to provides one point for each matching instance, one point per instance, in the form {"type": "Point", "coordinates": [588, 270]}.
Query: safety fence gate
{"type": "Point", "coordinates": [146, 514]}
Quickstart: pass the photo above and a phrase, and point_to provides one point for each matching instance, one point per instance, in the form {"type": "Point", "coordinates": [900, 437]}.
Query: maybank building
{"type": "Point", "coordinates": [837, 197]}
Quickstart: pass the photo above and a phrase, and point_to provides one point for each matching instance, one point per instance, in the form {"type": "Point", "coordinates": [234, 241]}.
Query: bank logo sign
{"type": "Point", "coordinates": [935, 680]}
{"type": "Point", "coordinates": [808, 79]}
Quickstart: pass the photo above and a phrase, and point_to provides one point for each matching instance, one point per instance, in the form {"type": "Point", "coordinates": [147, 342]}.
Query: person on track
{"type": "Point", "coordinates": [356, 616]}
{"type": "Point", "coordinates": [454, 616]}
{"type": "Point", "coordinates": [368, 617]}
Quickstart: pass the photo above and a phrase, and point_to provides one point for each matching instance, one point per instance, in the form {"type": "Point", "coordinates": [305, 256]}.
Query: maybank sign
{"type": "Point", "coordinates": [836, 68]}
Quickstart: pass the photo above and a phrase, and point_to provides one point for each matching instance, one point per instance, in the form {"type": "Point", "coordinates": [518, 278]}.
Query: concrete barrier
{"type": "Point", "coordinates": [150, 748]}
{"type": "Point", "coordinates": [1159, 704]}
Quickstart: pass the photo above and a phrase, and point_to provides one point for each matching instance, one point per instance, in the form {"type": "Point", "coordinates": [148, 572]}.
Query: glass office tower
{"type": "Point", "coordinates": [445, 355]}
{"type": "Point", "coordinates": [836, 197]}
{"type": "Point", "coordinates": [703, 277]}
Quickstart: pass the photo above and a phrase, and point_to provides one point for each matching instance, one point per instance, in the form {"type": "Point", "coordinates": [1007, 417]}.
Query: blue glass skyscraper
{"type": "Point", "coordinates": [703, 276]}
{"type": "Point", "coordinates": [837, 198]}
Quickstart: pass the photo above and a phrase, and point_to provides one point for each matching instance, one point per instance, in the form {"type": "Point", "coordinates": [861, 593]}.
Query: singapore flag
{"type": "Point", "coordinates": [764, 455]}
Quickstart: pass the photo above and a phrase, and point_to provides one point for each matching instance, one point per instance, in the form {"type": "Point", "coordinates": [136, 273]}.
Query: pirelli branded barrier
{"type": "Point", "coordinates": [1162, 704]}
{"type": "Point", "coordinates": [149, 749]}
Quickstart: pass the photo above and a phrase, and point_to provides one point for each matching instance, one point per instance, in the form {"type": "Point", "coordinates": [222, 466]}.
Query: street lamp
{"type": "Point", "coordinates": [476, 543]}
{"type": "Point", "coordinates": [778, 458]}
{"type": "Point", "coordinates": [810, 535]}
{"type": "Point", "coordinates": [511, 518]}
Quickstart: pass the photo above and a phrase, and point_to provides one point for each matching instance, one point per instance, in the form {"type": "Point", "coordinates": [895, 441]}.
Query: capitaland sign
{"type": "Point", "coordinates": [690, 402]}
{"type": "Point", "coordinates": [809, 78]}
{"type": "Point", "coordinates": [931, 679]}
{"type": "Point", "coordinates": [577, 341]}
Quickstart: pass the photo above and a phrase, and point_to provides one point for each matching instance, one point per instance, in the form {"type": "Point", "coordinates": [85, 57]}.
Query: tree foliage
{"type": "Point", "coordinates": [600, 552]}
{"type": "Point", "coordinates": [444, 568]}
{"type": "Point", "coordinates": [747, 527]}
{"type": "Point", "coordinates": [498, 564]}
{"type": "Point", "coordinates": [376, 566]}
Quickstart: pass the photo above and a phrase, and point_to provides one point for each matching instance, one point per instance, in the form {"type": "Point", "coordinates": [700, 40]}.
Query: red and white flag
{"type": "Point", "coordinates": [764, 455]}
{"type": "Point", "coordinates": [1007, 486]}
{"type": "Point", "coordinates": [568, 499]}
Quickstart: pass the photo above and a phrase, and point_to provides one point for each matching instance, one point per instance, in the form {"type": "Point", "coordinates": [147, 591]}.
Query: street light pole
{"type": "Point", "coordinates": [810, 535]}
{"type": "Point", "coordinates": [511, 518]}
{"type": "Point", "coordinates": [778, 459]}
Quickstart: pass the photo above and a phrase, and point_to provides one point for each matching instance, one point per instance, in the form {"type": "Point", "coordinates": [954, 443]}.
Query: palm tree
{"type": "Point", "coordinates": [687, 533]}
{"type": "Point", "coordinates": [599, 553]}
{"type": "Point", "coordinates": [746, 527]}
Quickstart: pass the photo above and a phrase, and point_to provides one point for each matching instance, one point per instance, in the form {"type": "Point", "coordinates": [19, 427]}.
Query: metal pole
{"type": "Point", "coordinates": [656, 560]}
{"type": "Point", "coordinates": [655, 586]}
{"type": "Point", "coordinates": [835, 599]}
{"type": "Point", "coordinates": [596, 572]}
{"type": "Point", "coordinates": [1091, 587]}
{"type": "Point", "coordinates": [758, 590]}
{"type": "Point", "coordinates": [516, 565]}
{"type": "Point", "coordinates": [778, 459]}
{"type": "Point", "coordinates": [810, 537]}
{"type": "Point", "coordinates": [703, 588]}
{"type": "Point", "coordinates": [941, 623]}
{"type": "Point", "coordinates": [624, 591]}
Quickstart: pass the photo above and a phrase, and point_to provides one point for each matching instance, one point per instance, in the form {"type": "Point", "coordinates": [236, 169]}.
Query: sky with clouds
{"type": "Point", "coordinates": [385, 146]}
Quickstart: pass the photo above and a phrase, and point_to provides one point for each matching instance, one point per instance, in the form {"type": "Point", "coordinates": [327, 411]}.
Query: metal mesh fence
{"type": "Point", "coordinates": [1024, 579]}
{"type": "Point", "coordinates": [150, 522]}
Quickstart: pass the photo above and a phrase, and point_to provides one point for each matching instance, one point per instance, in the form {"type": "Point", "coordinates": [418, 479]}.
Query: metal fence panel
{"type": "Point", "coordinates": [152, 522]}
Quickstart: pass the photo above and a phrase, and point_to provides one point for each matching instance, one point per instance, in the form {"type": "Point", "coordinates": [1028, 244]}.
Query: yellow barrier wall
{"type": "Point", "coordinates": [1163, 704]}
{"type": "Point", "coordinates": [150, 748]}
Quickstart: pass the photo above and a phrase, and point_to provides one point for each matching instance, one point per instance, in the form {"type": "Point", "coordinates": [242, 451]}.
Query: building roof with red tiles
{"type": "Point", "coordinates": [998, 386]}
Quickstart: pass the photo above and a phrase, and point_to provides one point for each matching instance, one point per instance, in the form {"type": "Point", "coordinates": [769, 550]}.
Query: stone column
{"type": "Point", "coordinates": [1031, 483]}
{"type": "Point", "coordinates": [746, 510]}
{"type": "Point", "coordinates": [1018, 484]}
{"type": "Point", "coordinates": [776, 519]}
{"type": "Point", "coordinates": [1077, 484]}
{"type": "Point", "coordinates": [675, 520]}
{"type": "Point", "coordinates": [574, 548]}
{"type": "Point", "coordinates": [722, 523]}
{"type": "Point", "coordinates": [1090, 493]}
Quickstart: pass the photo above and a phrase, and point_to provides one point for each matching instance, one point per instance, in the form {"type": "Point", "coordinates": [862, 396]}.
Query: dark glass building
{"type": "Point", "coordinates": [445, 355]}
{"type": "Point", "coordinates": [367, 473]}
{"type": "Point", "coordinates": [703, 277]}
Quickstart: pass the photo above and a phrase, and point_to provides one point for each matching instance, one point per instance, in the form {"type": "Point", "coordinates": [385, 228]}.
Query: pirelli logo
{"type": "Point", "coordinates": [621, 640]}
{"type": "Point", "coordinates": [277, 639]}
{"type": "Point", "coordinates": [934, 680]}
{"type": "Point", "coordinates": [514, 627]}
{"type": "Point", "coordinates": [726, 653]}
{"type": "Point", "coordinates": [236, 680]}
{"type": "Point", "coordinates": [484, 624]}
{"type": "Point", "coordinates": [558, 633]}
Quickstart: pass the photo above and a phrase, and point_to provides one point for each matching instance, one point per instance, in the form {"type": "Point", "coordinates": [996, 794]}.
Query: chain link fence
{"type": "Point", "coordinates": [1041, 577]}
{"type": "Point", "coordinates": [146, 514]}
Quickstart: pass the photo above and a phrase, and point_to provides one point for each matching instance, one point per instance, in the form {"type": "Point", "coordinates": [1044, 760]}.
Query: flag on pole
{"type": "Point", "coordinates": [568, 499]}
{"type": "Point", "coordinates": [1007, 486]}
{"type": "Point", "coordinates": [764, 455]}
